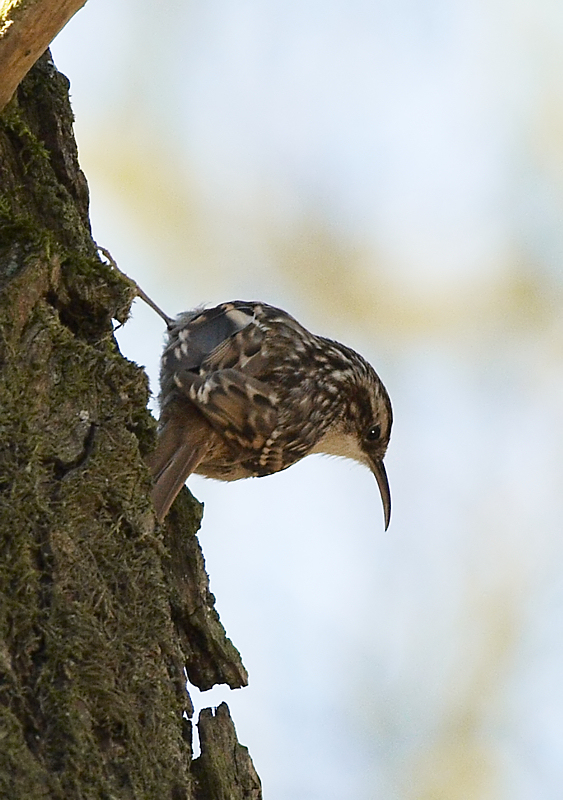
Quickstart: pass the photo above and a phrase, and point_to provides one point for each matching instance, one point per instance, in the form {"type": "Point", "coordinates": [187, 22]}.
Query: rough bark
{"type": "Point", "coordinates": [102, 613]}
{"type": "Point", "coordinates": [224, 771]}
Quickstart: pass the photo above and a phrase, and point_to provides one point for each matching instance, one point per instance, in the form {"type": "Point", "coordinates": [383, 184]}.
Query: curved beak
{"type": "Point", "coordinates": [378, 470]}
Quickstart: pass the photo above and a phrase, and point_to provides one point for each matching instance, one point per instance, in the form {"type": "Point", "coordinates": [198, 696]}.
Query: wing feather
{"type": "Point", "coordinates": [238, 406]}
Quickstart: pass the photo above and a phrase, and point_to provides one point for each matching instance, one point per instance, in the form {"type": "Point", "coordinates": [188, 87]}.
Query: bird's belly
{"type": "Point", "coordinates": [224, 472]}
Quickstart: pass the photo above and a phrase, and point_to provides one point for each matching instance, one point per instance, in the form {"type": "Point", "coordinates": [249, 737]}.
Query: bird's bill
{"type": "Point", "coordinates": [378, 470]}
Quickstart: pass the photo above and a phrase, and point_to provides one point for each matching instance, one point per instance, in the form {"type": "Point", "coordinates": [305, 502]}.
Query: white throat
{"type": "Point", "coordinates": [336, 442]}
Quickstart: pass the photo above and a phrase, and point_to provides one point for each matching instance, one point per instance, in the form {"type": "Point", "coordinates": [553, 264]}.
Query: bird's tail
{"type": "Point", "coordinates": [182, 444]}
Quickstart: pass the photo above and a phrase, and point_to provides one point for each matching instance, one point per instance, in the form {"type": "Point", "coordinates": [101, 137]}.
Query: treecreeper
{"type": "Point", "coordinates": [246, 391]}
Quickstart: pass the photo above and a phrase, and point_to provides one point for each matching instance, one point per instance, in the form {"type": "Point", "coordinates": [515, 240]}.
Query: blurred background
{"type": "Point", "coordinates": [390, 173]}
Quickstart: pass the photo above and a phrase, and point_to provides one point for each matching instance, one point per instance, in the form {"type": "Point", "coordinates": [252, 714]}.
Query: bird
{"type": "Point", "coordinates": [247, 391]}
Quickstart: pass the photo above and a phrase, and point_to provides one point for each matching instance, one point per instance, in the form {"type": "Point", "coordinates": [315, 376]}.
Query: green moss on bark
{"type": "Point", "coordinates": [98, 624]}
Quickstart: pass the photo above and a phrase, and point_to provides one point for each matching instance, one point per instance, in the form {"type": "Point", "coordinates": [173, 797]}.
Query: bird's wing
{"type": "Point", "coordinates": [196, 338]}
{"type": "Point", "coordinates": [241, 408]}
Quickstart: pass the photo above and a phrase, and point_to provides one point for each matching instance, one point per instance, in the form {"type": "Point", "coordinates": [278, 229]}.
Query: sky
{"type": "Point", "coordinates": [392, 175]}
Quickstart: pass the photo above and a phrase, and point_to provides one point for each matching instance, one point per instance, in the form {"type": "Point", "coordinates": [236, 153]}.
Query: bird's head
{"type": "Point", "coordinates": [362, 429]}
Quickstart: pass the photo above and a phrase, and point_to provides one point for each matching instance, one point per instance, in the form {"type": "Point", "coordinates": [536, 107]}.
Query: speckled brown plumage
{"type": "Point", "coordinates": [247, 391]}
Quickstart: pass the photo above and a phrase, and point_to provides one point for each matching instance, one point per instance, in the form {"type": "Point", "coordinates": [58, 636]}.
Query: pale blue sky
{"type": "Point", "coordinates": [231, 149]}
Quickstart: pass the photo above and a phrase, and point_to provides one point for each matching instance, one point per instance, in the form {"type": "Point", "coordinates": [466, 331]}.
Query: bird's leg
{"type": "Point", "coordinates": [138, 291]}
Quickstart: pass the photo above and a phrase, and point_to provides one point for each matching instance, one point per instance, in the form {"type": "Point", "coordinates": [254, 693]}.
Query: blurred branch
{"type": "Point", "coordinates": [27, 27]}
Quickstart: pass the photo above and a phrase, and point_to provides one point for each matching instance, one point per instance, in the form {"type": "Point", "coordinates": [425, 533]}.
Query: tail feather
{"type": "Point", "coordinates": [182, 444]}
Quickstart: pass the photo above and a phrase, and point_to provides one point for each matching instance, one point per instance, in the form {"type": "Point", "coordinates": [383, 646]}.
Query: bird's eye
{"type": "Point", "coordinates": [373, 433]}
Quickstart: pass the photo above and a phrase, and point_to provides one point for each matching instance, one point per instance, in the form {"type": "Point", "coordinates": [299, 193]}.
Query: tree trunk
{"type": "Point", "coordinates": [102, 613]}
